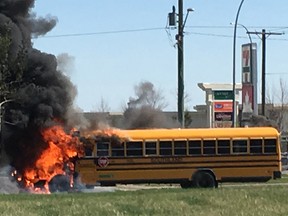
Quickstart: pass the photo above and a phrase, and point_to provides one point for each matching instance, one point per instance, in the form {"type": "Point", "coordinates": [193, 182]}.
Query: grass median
{"type": "Point", "coordinates": [247, 200]}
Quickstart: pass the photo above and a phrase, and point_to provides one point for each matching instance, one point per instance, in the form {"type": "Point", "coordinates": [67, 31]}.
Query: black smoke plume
{"type": "Point", "coordinates": [42, 95]}
{"type": "Point", "coordinates": [145, 111]}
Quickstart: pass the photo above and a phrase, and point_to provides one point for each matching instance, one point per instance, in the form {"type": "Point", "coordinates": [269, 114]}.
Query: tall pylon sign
{"type": "Point", "coordinates": [249, 81]}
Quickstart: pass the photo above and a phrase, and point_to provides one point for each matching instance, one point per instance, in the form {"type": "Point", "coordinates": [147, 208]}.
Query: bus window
{"type": "Point", "coordinates": [270, 146]}
{"type": "Point", "coordinates": [209, 147]}
{"type": "Point", "coordinates": [239, 146]}
{"type": "Point", "coordinates": [223, 146]}
{"type": "Point", "coordinates": [102, 149]}
{"type": "Point", "coordinates": [165, 147]}
{"type": "Point", "coordinates": [194, 147]}
{"type": "Point", "coordinates": [134, 148]}
{"type": "Point", "coordinates": [88, 145]}
{"type": "Point", "coordinates": [118, 150]}
{"type": "Point", "coordinates": [88, 151]}
{"type": "Point", "coordinates": [180, 147]}
{"type": "Point", "coordinates": [150, 148]}
{"type": "Point", "coordinates": [256, 146]}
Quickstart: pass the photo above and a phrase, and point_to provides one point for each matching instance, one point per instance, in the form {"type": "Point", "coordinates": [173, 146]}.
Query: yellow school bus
{"type": "Point", "coordinates": [189, 157]}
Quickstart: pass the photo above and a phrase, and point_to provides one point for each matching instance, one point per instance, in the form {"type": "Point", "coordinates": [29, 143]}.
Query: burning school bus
{"type": "Point", "coordinates": [189, 157]}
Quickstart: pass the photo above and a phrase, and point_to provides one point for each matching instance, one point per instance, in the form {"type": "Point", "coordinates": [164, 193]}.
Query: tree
{"type": "Point", "coordinates": [103, 106]}
{"type": "Point", "coordinates": [147, 95]}
{"type": "Point", "coordinates": [11, 68]}
{"type": "Point", "coordinates": [278, 112]}
{"type": "Point", "coordinates": [187, 115]}
{"type": "Point", "coordinates": [11, 72]}
{"type": "Point", "coordinates": [5, 42]}
{"type": "Point", "coordinates": [276, 107]}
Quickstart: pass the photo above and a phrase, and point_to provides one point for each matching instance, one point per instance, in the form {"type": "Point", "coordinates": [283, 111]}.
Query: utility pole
{"type": "Point", "coordinates": [180, 42]}
{"type": "Point", "coordinates": [264, 36]}
{"type": "Point", "coordinates": [180, 47]}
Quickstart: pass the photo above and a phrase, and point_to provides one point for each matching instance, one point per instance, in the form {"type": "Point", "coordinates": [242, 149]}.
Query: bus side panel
{"type": "Point", "coordinates": [86, 169]}
{"type": "Point", "coordinates": [178, 169]}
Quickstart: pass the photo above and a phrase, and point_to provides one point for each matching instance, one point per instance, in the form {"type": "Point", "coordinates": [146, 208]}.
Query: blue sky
{"type": "Point", "coordinates": [110, 61]}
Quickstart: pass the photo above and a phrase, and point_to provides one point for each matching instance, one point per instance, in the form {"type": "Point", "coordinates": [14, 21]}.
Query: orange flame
{"type": "Point", "coordinates": [54, 160]}
{"type": "Point", "coordinates": [107, 132]}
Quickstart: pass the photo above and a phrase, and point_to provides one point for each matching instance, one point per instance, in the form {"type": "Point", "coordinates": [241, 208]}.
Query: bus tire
{"type": "Point", "coordinates": [204, 179]}
{"type": "Point", "coordinates": [59, 183]}
{"type": "Point", "coordinates": [89, 186]}
{"type": "Point", "coordinates": [108, 184]}
{"type": "Point", "coordinates": [186, 184]}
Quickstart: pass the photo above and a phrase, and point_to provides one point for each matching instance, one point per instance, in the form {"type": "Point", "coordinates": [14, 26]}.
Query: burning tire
{"type": "Point", "coordinates": [59, 183]}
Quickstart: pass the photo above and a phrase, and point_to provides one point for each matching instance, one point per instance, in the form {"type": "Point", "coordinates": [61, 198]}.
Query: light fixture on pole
{"type": "Point", "coordinates": [246, 29]}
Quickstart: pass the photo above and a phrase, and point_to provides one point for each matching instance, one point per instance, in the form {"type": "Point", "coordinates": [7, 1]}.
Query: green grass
{"type": "Point", "coordinates": [283, 179]}
{"type": "Point", "coordinates": [246, 200]}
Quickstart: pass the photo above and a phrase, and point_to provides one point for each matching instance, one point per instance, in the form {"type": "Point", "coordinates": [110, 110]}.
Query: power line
{"type": "Point", "coordinates": [277, 73]}
{"type": "Point", "coordinates": [154, 29]}
{"type": "Point", "coordinates": [249, 27]}
{"type": "Point", "coordinates": [209, 34]}
{"type": "Point", "coordinates": [230, 36]}
{"type": "Point", "coordinates": [101, 33]}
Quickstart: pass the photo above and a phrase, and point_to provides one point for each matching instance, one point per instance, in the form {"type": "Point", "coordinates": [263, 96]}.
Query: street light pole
{"type": "Point", "coordinates": [234, 112]}
{"type": "Point", "coordinates": [247, 31]}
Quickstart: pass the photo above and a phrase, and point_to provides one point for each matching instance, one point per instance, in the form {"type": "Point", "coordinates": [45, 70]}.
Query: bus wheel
{"type": "Point", "coordinates": [59, 183]}
{"type": "Point", "coordinates": [186, 184]}
{"type": "Point", "coordinates": [88, 186]}
{"type": "Point", "coordinates": [204, 180]}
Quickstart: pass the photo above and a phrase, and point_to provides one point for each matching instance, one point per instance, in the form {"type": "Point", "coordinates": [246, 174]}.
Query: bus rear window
{"type": "Point", "coordinates": [270, 146]}
{"type": "Point", "coordinates": [256, 146]}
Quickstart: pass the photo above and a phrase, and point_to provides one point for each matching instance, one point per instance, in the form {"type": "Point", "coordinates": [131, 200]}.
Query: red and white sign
{"type": "Point", "coordinates": [223, 106]}
{"type": "Point", "coordinates": [247, 97]}
{"type": "Point", "coordinates": [246, 63]}
{"type": "Point", "coordinates": [103, 161]}
{"type": "Point", "coordinates": [222, 116]}
{"type": "Point", "coordinates": [246, 55]}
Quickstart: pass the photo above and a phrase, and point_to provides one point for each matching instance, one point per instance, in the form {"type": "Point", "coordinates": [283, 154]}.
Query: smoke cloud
{"type": "Point", "coordinates": [44, 95]}
{"type": "Point", "coordinates": [65, 63]}
{"type": "Point", "coordinates": [145, 111]}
